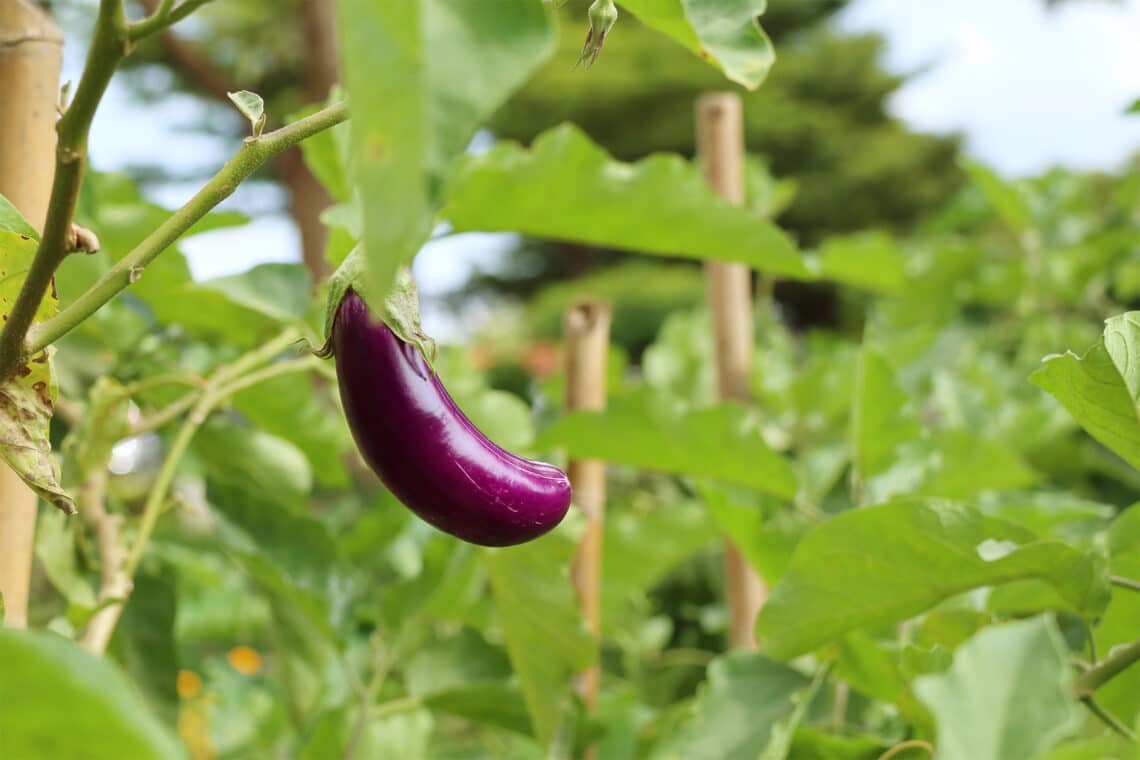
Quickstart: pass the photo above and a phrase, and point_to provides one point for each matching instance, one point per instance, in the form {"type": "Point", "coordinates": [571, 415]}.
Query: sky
{"type": "Point", "coordinates": [1029, 87]}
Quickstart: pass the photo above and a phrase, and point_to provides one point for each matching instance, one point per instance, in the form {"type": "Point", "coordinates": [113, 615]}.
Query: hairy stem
{"type": "Point", "coordinates": [901, 747]}
{"type": "Point", "coordinates": [252, 155]}
{"type": "Point", "coordinates": [109, 45]}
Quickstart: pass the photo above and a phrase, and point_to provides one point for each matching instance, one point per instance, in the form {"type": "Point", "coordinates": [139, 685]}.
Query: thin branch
{"type": "Point", "coordinates": [250, 157]}
{"type": "Point", "coordinates": [1128, 583]}
{"type": "Point", "coordinates": [1108, 718]}
{"type": "Point", "coordinates": [109, 45]}
{"type": "Point", "coordinates": [162, 16]}
{"type": "Point", "coordinates": [115, 582]}
{"type": "Point", "coordinates": [1118, 660]}
{"type": "Point", "coordinates": [157, 496]}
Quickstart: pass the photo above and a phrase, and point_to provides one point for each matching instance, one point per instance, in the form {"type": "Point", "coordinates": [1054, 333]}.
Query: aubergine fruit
{"type": "Point", "coordinates": [425, 450]}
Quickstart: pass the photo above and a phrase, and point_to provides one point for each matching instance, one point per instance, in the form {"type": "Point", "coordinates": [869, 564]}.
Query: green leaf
{"type": "Point", "coordinates": [509, 40]}
{"type": "Point", "coordinates": [278, 291]}
{"type": "Point", "coordinates": [1007, 694]}
{"type": "Point", "coordinates": [588, 197]}
{"type": "Point", "coordinates": [641, 430]}
{"type": "Point", "coordinates": [723, 32]}
{"type": "Point", "coordinates": [417, 100]}
{"type": "Point", "coordinates": [60, 701]}
{"type": "Point", "coordinates": [883, 564]}
{"type": "Point", "coordinates": [764, 531]}
{"type": "Point", "coordinates": [466, 676]}
{"type": "Point", "coordinates": [1135, 107]}
{"type": "Point", "coordinates": [869, 260]}
{"type": "Point", "coordinates": [13, 221]}
{"type": "Point", "coordinates": [640, 547]}
{"type": "Point", "coordinates": [29, 397]}
{"type": "Point", "coordinates": [879, 419]}
{"type": "Point", "coordinates": [1007, 200]}
{"type": "Point", "coordinates": [1101, 389]}
{"type": "Point", "coordinates": [545, 636]}
{"type": "Point", "coordinates": [735, 713]}
{"type": "Point", "coordinates": [294, 408]}
{"type": "Point", "coordinates": [252, 107]}
{"type": "Point", "coordinates": [144, 641]}
{"type": "Point", "coordinates": [255, 460]}
{"type": "Point", "coordinates": [383, 61]}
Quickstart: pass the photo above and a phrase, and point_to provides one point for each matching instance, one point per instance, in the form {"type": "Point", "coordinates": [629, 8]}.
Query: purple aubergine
{"type": "Point", "coordinates": [424, 448]}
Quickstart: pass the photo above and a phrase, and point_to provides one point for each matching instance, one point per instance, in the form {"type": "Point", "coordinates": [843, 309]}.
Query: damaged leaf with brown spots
{"type": "Point", "coordinates": [27, 399]}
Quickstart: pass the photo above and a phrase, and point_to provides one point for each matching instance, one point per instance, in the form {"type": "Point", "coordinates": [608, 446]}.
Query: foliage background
{"type": "Point", "coordinates": [288, 607]}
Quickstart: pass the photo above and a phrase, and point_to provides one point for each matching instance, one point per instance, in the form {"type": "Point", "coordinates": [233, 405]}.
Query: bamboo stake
{"type": "Point", "coordinates": [31, 53]}
{"type": "Point", "coordinates": [586, 328]}
{"type": "Point", "coordinates": [720, 146]}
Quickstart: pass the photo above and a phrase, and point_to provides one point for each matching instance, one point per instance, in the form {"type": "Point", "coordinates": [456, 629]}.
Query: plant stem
{"type": "Point", "coordinates": [109, 45]}
{"type": "Point", "coordinates": [1108, 718]}
{"type": "Point", "coordinates": [218, 388]}
{"type": "Point", "coordinates": [157, 496]}
{"type": "Point", "coordinates": [1123, 582]}
{"type": "Point", "coordinates": [166, 15]}
{"type": "Point", "coordinates": [250, 157]}
{"type": "Point", "coordinates": [1118, 661]}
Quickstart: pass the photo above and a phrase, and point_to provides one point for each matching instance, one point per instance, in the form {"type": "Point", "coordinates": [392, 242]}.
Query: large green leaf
{"type": "Point", "coordinates": [641, 430]}
{"type": "Point", "coordinates": [886, 563]}
{"type": "Point", "coordinates": [1006, 696]}
{"type": "Point", "coordinates": [723, 32]}
{"type": "Point", "coordinates": [60, 701]}
{"type": "Point", "coordinates": [1102, 388]}
{"type": "Point", "coordinates": [545, 636]}
{"type": "Point", "coordinates": [745, 698]}
{"type": "Point", "coordinates": [660, 205]}
{"type": "Point", "coordinates": [509, 39]}
{"type": "Point", "coordinates": [383, 60]}
{"type": "Point", "coordinates": [417, 99]}
{"type": "Point", "coordinates": [29, 397]}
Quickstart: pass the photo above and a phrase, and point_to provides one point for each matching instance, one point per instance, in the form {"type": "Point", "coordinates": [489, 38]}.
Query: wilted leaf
{"type": "Point", "coordinates": [27, 400]}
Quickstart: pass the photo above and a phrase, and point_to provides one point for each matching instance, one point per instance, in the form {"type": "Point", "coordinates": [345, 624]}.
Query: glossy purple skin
{"type": "Point", "coordinates": [424, 448]}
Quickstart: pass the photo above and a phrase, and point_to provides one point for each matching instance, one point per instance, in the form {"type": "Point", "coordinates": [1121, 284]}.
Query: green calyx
{"type": "Point", "coordinates": [399, 309]}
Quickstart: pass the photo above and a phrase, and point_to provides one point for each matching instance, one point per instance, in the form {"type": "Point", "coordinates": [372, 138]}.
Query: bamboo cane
{"type": "Point", "coordinates": [586, 329]}
{"type": "Point", "coordinates": [720, 145]}
{"type": "Point", "coordinates": [31, 53]}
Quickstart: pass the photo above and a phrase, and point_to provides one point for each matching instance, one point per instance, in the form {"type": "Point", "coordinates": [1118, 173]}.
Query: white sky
{"type": "Point", "coordinates": [1029, 87]}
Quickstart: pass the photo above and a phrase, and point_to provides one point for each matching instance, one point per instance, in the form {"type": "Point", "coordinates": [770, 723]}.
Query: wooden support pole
{"type": "Point", "coordinates": [31, 53]}
{"type": "Point", "coordinates": [586, 329]}
{"type": "Point", "coordinates": [720, 146]}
